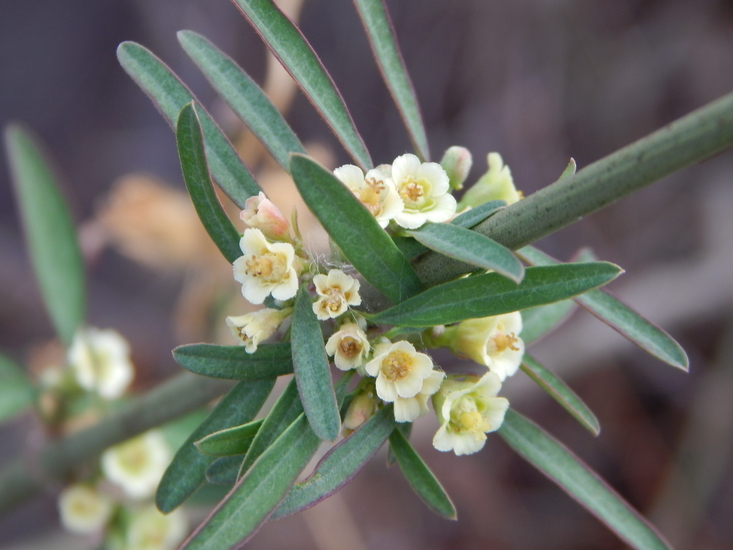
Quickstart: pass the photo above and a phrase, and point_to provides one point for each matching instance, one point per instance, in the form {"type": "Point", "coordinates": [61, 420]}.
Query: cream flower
{"type": "Point", "coordinates": [348, 347]}
{"type": "Point", "coordinates": [260, 213]}
{"type": "Point", "coordinates": [337, 291]}
{"type": "Point", "coordinates": [468, 409]}
{"type": "Point", "coordinates": [151, 530]}
{"type": "Point", "coordinates": [138, 464]}
{"type": "Point", "coordinates": [424, 190]}
{"type": "Point", "coordinates": [376, 190]}
{"type": "Point", "coordinates": [100, 361]}
{"type": "Point", "coordinates": [252, 328]}
{"type": "Point", "coordinates": [407, 409]}
{"type": "Point", "coordinates": [491, 341]}
{"type": "Point", "coordinates": [266, 268]}
{"type": "Point", "coordinates": [400, 370]}
{"type": "Point", "coordinates": [83, 509]}
{"type": "Point", "coordinates": [495, 184]}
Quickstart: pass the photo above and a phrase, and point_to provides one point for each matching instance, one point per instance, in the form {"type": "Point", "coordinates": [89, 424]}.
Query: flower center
{"type": "Point", "coordinates": [134, 458]}
{"type": "Point", "coordinates": [369, 195]}
{"type": "Point", "coordinates": [396, 366]}
{"type": "Point", "coordinates": [412, 191]}
{"type": "Point", "coordinates": [350, 347]}
{"type": "Point", "coordinates": [503, 341]}
{"type": "Point", "coordinates": [473, 422]}
{"type": "Point", "coordinates": [334, 299]}
{"type": "Point", "coordinates": [271, 267]}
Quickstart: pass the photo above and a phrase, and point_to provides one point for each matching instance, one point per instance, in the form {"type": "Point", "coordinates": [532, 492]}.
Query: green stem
{"type": "Point", "coordinates": [686, 141]}
{"type": "Point", "coordinates": [27, 476]}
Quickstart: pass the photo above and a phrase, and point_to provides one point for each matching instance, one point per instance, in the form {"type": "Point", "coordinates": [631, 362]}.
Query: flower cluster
{"type": "Point", "coordinates": [401, 196]}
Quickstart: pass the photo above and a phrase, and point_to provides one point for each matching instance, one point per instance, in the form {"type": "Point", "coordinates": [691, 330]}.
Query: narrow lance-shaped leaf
{"type": "Point", "coordinates": [187, 470]}
{"type": "Point", "coordinates": [340, 464]}
{"type": "Point", "coordinates": [386, 51]}
{"type": "Point", "coordinates": [170, 95]}
{"type": "Point", "coordinates": [492, 294]}
{"type": "Point", "coordinates": [561, 393]}
{"type": "Point", "coordinates": [229, 441]}
{"type": "Point", "coordinates": [470, 247]}
{"type": "Point", "coordinates": [420, 478]}
{"type": "Point", "coordinates": [292, 49]}
{"type": "Point", "coordinates": [243, 96]}
{"type": "Point", "coordinates": [256, 495]}
{"type": "Point", "coordinates": [224, 470]}
{"type": "Point", "coordinates": [16, 391]}
{"type": "Point", "coordinates": [539, 321]}
{"type": "Point", "coordinates": [49, 232]}
{"type": "Point", "coordinates": [234, 362]}
{"type": "Point", "coordinates": [312, 370]}
{"type": "Point", "coordinates": [283, 413]}
{"type": "Point", "coordinates": [363, 242]}
{"type": "Point", "coordinates": [622, 318]}
{"type": "Point", "coordinates": [190, 143]}
{"type": "Point", "coordinates": [555, 461]}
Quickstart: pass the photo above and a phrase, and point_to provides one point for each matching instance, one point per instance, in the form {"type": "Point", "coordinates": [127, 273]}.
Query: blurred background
{"type": "Point", "coordinates": [539, 81]}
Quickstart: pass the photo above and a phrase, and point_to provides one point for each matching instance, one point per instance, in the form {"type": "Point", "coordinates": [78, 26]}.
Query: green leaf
{"type": "Point", "coordinates": [170, 95]}
{"type": "Point", "coordinates": [283, 413]}
{"type": "Point", "coordinates": [234, 363]}
{"type": "Point", "coordinates": [492, 294]}
{"type": "Point", "coordinates": [16, 391]}
{"type": "Point", "coordinates": [223, 471]}
{"type": "Point", "coordinates": [339, 465]}
{"type": "Point", "coordinates": [387, 53]}
{"type": "Point", "coordinates": [406, 429]}
{"type": "Point", "coordinates": [363, 242]}
{"type": "Point", "coordinates": [230, 441]}
{"type": "Point", "coordinates": [420, 478]}
{"type": "Point", "coordinates": [580, 482]}
{"type": "Point", "coordinates": [187, 470]}
{"type": "Point", "coordinates": [49, 232]}
{"type": "Point", "coordinates": [312, 370]}
{"type": "Point", "coordinates": [243, 96]}
{"type": "Point", "coordinates": [470, 247]}
{"type": "Point", "coordinates": [541, 320]}
{"type": "Point", "coordinates": [478, 214]}
{"type": "Point", "coordinates": [291, 48]}
{"type": "Point", "coordinates": [190, 143]}
{"type": "Point", "coordinates": [256, 495]}
{"type": "Point", "coordinates": [569, 169]}
{"type": "Point", "coordinates": [561, 393]}
{"type": "Point", "coordinates": [622, 318]}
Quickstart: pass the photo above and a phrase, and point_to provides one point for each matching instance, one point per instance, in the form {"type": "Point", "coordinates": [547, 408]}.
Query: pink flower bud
{"type": "Point", "coordinates": [260, 213]}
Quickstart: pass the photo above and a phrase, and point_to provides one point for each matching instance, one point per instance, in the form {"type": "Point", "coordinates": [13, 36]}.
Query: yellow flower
{"type": "Point", "coordinates": [376, 190]}
{"type": "Point", "coordinates": [151, 530]}
{"type": "Point", "coordinates": [260, 213]}
{"type": "Point", "coordinates": [337, 291]}
{"type": "Point", "coordinates": [348, 347]}
{"type": "Point", "coordinates": [83, 509]}
{"type": "Point", "coordinates": [468, 409]}
{"type": "Point", "coordinates": [138, 464]}
{"type": "Point", "coordinates": [266, 268]}
{"type": "Point", "coordinates": [401, 373]}
{"type": "Point", "coordinates": [491, 341]}
{"type": "Point", "coordinates": [424, 190]}
{"type": "Point", "coordinates": [495, 184]}
{"type": "Point", "coordinates": [100, 361]}
{"type": "Point", "coordinates": [252, 328]}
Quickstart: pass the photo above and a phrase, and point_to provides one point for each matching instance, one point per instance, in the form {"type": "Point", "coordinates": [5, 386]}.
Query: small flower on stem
{"type": "Point", "coordinates": [495, 184]}
{"type": "Point", "coordinates": [401, 372]}
{"type": "Point", "coordinates": [376, 190]}
{"type": "Point", "coordinates": [266, 268]}
{"type": "Point", "coordinates": [100, 361]}
{"type": "Point", "coordinates": [407, 409]}
{"type": "Point", "coordinates": [457, 162]}
{"type": "Point", "coordinates": [252, 328]}
{"type": "Point", "coordinates": [260, 213]}
{"type": "Point", "coordinates": [151, 530]}
{"type": "Point", "coordinates": [348, 347]}
{"type": "Point", "coordinates": [337, 291]}
{"type": "Point", "coordinates": [138, 464]}
{"type": "Point", "coordinates": [83, 509]}
{"type": "Point", "coordinates": [468, 409]}
{"type": "Point", "coordinates": [424, 190]}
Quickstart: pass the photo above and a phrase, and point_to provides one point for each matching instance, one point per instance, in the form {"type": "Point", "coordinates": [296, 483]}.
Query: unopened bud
{"type": "Point", "coordinates": [360, 410]}
{"type": "Point", "coordinates": [457, 162]}
{"type": "Point", "coordinates": [260, 213]}
{"type": "Point", "coordinates": [495, 184]}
